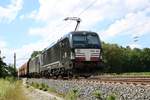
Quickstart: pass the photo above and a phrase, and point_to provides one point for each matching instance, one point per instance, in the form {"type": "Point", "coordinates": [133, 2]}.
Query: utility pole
{"type": "Point", "coordinates": [15, 63]}
{"type": "Point", "coordinates": [0, 53]}
{"type": "Point", "coordinates": [76, 19]}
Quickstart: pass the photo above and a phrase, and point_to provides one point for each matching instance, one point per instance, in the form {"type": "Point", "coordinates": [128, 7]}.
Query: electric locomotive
{"type": "Point", "coordinates": [77, 53]}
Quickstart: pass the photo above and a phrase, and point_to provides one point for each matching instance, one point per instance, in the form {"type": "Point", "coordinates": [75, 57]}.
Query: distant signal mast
{"type": "Point", "coordinates": [78, 20]}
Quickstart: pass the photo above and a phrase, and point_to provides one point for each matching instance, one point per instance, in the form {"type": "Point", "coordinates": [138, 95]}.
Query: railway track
{"type": "Point", "coordinates": [127, 80]}
{"type": "Point", "coordinates": [135, 80]}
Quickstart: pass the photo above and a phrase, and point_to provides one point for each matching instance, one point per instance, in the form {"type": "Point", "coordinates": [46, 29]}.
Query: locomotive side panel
{"type": "Point", "coordinates": [50, 59]}
{"type": "Point", "coordinates": [56, 59]}
{"type": "Point", "coordinates": [31, 66]}
{"type": "Point", "coordinates": [34, 67]}
{"type": "Point", "coordinates": [65, 53]}
{"type": "Point", "coordinates": [37, 65]}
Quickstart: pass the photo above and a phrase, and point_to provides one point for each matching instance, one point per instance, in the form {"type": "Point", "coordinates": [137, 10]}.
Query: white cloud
{"type": "Point", "coordinates": [135, 5]}
{"type": "Point", "coordinates": [52, 12]}
{"type": "Point", "coordinates": [5, 52]}
{"type": "Point", "coordinates": [23, 53]}
{"type": "Point", "coordinates": [134, 45]}
{"type": "Point", "coordinates": [2, 44]}
{"type": "Point", "coordinates": [9, 13]}
{"type": "Point", "coordinates": [132, 24]}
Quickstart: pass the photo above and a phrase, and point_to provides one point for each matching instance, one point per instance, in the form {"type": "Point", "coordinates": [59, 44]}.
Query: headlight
{"type": "Point", "coordinates": [72, 55]}
{"type": "Point", "coordinates": [101, 56]}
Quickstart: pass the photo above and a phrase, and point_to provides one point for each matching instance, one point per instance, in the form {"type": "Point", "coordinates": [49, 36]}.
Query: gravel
{"type": "Point", "coordinates": [86, 89]}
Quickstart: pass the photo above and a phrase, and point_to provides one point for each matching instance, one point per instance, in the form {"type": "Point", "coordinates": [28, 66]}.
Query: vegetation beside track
{"type": "Point", "coordinates": [11, 89]}
{"type": "Point", "coordinates": [45, 87]}
{"type": "Point", "coordinates": [129, 74]}
{"type": "Point", "coordinates": [120, 59]}
{"type": "Point", "coordinates": [135, 74]}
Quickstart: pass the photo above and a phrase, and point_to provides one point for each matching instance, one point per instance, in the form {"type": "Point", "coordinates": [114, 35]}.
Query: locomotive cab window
{"type": "Point", "coordinates": [92, 39]}
{"type": "Point", "coordinates": [86, 41]}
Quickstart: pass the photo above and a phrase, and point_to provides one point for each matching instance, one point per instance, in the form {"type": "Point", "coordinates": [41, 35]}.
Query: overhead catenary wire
{"type": "Point", "coordinates": [84, 10]}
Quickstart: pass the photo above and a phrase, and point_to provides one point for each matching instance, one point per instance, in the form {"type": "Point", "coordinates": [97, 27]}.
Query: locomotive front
{"type": "Point", "coordinates": [86, 52]}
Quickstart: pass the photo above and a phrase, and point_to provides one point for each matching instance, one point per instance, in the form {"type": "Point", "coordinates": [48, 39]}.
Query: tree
{"type": "Point", "coordinates": [35, 53]}
{"type": "Point", "coordinates": [113, 57]}
{"type": "Point", "coordinates": [3, 71]}
{"type": "Point", "coordinates": [6, 70]}
{"type": "Point", "coordinates": [124, 59]}
{"type": "Point", "coordinates": [146, 59]}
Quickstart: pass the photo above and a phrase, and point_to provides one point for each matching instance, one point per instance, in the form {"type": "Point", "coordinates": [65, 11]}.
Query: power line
{"type": "Point", "coordinates": [90, 5]}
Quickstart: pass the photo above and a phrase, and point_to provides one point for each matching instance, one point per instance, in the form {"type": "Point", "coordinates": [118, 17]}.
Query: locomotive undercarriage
{"type": "Point", "coordinates": [57, 72]}
{"type": "Point", "coordinates": [86, 69]}
{"type": "Point", "coordinates": [75, 69]}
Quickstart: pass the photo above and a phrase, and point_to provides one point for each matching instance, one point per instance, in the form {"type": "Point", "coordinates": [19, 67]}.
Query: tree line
{"type": "Point", "coordinates": [120, 59]}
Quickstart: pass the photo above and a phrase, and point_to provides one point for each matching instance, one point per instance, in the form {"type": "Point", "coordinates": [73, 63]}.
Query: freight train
{"type": "Point", "coordinates": [78, 53]}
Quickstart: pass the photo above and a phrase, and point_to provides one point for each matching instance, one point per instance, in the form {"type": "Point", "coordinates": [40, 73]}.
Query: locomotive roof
{"type": "Point", "coordinates": [84, 32]}
{"type": "Point", "coordinates": [76, 32]}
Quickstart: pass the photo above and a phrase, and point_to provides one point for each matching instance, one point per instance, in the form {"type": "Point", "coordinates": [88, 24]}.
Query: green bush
{"type": "Point", "coordinates": [97, 94]}
{"type": "Point", "coordinates": [45, 87]}
{"type": "Point", "coordinates": [41, 86]}
{"type": "Point", "coordinates": [72, 94]}
{"type": "Point", "coordinates": [111, 97]}
{"type": "Point", "coordinates": [36, 85]}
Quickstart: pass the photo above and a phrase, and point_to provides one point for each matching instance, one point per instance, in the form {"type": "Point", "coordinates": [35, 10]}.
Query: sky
{"type": "Point", "coordinates": [29, 25]}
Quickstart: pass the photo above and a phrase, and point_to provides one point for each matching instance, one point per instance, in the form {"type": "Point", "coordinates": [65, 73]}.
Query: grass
{"type": "Point", "coordinates": [72, 95]}
{"type": "Point", "coordinates": [138, 73]}
{"type": "Point", "coordinates": [41, 86]}
{"type": "Point", "coordinates": [129, 74]}
{"type": "Point", "coordinates": [11, 89]}
{"type": "Point", "coordinates": [98, 95]}
{"type": "Point", "coordinates": [111, 97]}
{"type": "Point", "coordinates": [52, 89]}
{"type": "Point", "coordinates": [45, 87]}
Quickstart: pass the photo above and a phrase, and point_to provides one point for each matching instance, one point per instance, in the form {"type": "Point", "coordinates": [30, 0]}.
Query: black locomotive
{"type": "Point", "coordinates": [77, 53]}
